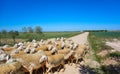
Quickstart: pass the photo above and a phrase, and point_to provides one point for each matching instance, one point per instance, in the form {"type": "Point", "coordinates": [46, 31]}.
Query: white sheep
{"type": "Point", "coordinates": [50, 47]}
{"type": "Point", "coordinates": [33, 50]}
{"type": "Point", "coordinates": [15, 46]}
{"type": "Point", "coordinates": [55, 61]}
{"type": "Point", "coordinates": [57, 39]}
{"type": "Point", "coordinates": [14, 52]}
{"type": "Point", "coordinates": [52, 52]}
{"type": "Point", "coordinates": [43, 47]}
{"type": "Point", "coordinates": [63, 45]}
{"type": "Point", "coordinates": [79, 54]}
{"type": "Point", "coordinates": [75, 46]}
{"type": "Point", "coordinates": [32, 61]}
{"type": "Point", "coordinates": [20, 44]}
{"type": "Point", "coordinates": [34, 41]}
{"type": "Point", "coordinates": [11, 67]}
{"type": "Point", "coordinates": [4, 57]}
{"type": "Point", "coordinates": [35, 45]}
{"type": "Point", "coordinates": [2, 51]}
{"type": "Point", "coordinates": [5, 46]}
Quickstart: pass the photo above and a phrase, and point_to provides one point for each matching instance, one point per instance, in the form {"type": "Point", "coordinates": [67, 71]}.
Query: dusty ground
{"type": "Point", "coordinates": [80, 39]}
{"type": "Point", "coordinates": [114, 44]}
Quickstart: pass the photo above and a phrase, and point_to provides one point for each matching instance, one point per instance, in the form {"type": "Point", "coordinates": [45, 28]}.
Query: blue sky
{"type": "Point", "coordinates": [60, 15]}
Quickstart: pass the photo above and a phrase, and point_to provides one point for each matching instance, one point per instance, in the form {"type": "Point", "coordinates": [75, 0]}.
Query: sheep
{"type": "Point", "coordinates": [50, 47]}
{"type": "Point", "coordinates": [65, 51]}
{"type": "Point", "coordinates": [49, 42]}
{"type": "Point", "coordinates": [79, 53]}
{"type": "Point", "coordinates": [33, 50]}
{"type": "Point", "coordinates": [15, 46]}
{"type": "Point", "coordinates": [60, 45]}
{"type": "Point", "coordinates": [55, 61]}
{"type": "Point", "coordinates": [8, 48]}
{"type": "Point", "coordinates": [63, 39]}
{"type": "Point", "coordinates": [57, 39]}
{"type": "Point", "coordinates": [27, 50]}
{"type": "Point", "coordinates": [4, 57]}
{"type": "Point", "coordinates": [71, 46]}
{"type": "Point", "coordinates": [14, 52]}
{"type": "Point", "coordinates": [11, 67]}
{"type": "Point", "coordinates": [53, 51]}
{"type": "Point", "coordinates": [63, 45]}
{"type": "Point", "coordinates": [5, 46]}
{"type": "Point", "coordinates": [43, 47]}
{"type": "Point", "coordinates": [20, 44]}
{"type": "Point", "coordinates": [20, 47]}
{"type": "Point", "coordinates": [34, 41]}
{"type": "Point", "coordinates": [67, 54]}
{"type": "Point", "coordinates": [33, 61]}
{"type": "Point", "coordinates": [2, 51]}
{"type": "Point", "coordinates": [75, 46]}
{"type": "Point", "coordinates": [35, 45]}
{"type": "Point", "coordinates": [17, 54]}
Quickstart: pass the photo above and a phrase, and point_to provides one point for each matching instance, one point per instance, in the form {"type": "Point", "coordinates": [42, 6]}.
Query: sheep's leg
{"type": "Point", "coordinates": [76, 60]}
{"type": "Point", "coordinates": [43, 67]}
{"type": "Point", "coordinates": [30, 71]}
{"type": "Point", "coordinates": [49, 69]}
{"type": "Point", "coordinates": [68, 62]}
{"type": "Point", "coordinates": [71, 60]}
{"type": "Point", "coordinates": [36, 71]}
{"type": "Point", "coordinates": [59, 68]}
{"type": "Point", "coordinates": [63, 66]}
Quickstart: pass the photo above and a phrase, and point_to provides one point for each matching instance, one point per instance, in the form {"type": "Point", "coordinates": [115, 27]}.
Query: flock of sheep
{"type": "Point", "coordinates": [46, 55]}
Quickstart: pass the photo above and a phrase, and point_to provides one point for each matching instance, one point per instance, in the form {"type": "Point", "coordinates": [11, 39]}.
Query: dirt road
{"type": "Point", "coordinates": [114, 44]}
{"type": "Point", "coordinates": [80, 39]}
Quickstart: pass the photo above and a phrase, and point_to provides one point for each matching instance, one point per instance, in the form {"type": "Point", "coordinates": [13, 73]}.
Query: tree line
{"type": "Point", "coordinates": [14, 33]}
{"type": "Point", "coordinates": [37, 29]}
{"type": "Point", "coordinates": [95, 31]}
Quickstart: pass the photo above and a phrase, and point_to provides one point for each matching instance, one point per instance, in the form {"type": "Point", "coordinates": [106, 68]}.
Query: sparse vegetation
{"type": "Point", "coordinates": [97, 41]}
{"type": "Point", "coordinates": [13, 34]}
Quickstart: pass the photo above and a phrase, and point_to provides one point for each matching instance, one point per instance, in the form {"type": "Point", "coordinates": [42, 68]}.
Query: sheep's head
{"type": "Point", "coordinates": [71, 46]}
{"type": "Point", "coordinates": [63, 45]}
{"type": "Point", "coordinates": [27, 50]}
{"type": "Point", "coordinates": [44, 58]}
{"type": "Point", "coordinates": [33, 50]}
{"type": "Point", "coordinates": [54, 50]}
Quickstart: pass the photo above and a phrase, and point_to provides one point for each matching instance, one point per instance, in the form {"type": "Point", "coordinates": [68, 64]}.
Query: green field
{"type": "Point", "coordinates": [5, 39]}
{"type": "Point", "coordinates": [47, 35]}
{"type": "Point", "coordinates": [108, 35]}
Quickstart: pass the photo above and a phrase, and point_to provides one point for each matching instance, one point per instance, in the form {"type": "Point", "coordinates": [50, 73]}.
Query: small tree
{"type": "Point", "coordinates": [38, 29]}
{"type": "Point", "coordinates": [0, 37]}
{"type": "Point", "coordinates": [30, 30]}
{"type": "Point", "coordinates": [14, 34]}
{"type": "Point", "coordinates": [4, 33]}
{"type": "Point", "coordinates": [24, 29]}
